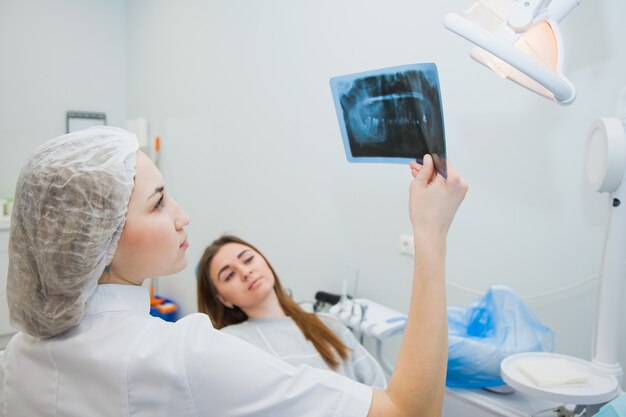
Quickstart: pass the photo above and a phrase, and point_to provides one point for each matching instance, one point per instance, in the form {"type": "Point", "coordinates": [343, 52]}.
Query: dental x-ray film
{"type": "Point", "coordinates": [391, 115]}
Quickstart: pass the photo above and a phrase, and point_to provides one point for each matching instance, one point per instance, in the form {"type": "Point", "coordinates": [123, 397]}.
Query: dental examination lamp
{"type": "Point", "coordinates": [520, 40]}
{"type": "Point", "coordinates": [605, 163]}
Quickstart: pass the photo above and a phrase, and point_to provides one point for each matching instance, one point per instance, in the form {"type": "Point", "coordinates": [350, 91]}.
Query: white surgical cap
{"type": "Point", "coordinates": [69, 210]}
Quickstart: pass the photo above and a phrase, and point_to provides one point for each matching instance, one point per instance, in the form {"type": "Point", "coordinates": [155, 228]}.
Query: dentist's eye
{"type": "Point", "coordinates": [160, 203]}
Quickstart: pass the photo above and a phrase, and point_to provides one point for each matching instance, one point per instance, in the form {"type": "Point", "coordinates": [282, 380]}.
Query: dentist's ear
{"type": "Point", "coordinates": [223, 301]}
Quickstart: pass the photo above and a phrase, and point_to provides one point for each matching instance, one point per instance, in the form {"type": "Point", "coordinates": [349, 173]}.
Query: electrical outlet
{"type": "Point", "coordinates": [407, 245]}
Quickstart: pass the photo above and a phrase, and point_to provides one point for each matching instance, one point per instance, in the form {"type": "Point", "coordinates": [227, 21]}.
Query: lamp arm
{"type": "Point", "coordinates": [522, 16]}
{"type": "Point", "coordinates": [558, 9]}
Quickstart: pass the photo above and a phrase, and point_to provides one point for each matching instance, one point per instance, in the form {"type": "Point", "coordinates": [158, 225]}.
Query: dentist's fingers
{"type": "Point", "coordinates": [425, 173]}
{"type": "Point", "coordinates": [415, 168]}
{"type": "Point", "coordinates": [415, 165]}
{"type": "Point", "coordinates": [433, 199]}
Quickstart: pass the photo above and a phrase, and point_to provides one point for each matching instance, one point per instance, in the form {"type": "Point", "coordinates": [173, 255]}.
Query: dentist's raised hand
{"type": "Point", "coordinates": [417, 385]}
{"type": "Point", "coordinates": [434, 200]}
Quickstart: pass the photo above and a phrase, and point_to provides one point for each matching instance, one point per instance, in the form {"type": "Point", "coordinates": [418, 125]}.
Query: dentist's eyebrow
{"type": "Point", "coordinates": [157, 190]}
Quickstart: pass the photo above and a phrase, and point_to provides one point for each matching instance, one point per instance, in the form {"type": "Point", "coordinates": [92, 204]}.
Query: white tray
{"type": "Point", "coordinates": [598, 389]}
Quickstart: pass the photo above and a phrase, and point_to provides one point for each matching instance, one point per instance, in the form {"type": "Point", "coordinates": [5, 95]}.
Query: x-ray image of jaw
{"type": "Point", "coordinates": [393, 114]}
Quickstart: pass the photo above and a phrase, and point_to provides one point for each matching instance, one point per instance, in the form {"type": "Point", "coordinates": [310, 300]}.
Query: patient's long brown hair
{"type": "Point", "coordinates": [327, 343]}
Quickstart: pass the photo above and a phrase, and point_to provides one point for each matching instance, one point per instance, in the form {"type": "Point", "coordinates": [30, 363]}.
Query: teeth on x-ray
{"type": "Point", "coordinates": [391, 114]}
{"type": "Point", "coordinates": [386, 114]}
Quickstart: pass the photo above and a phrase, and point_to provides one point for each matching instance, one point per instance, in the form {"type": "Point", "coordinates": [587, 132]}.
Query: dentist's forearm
{"type": "Point", "coordinates": [417, 385]}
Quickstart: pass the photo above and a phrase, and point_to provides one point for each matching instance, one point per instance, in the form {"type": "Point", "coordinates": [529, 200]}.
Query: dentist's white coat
{"type": "Point", "coordinates": [120, 361]}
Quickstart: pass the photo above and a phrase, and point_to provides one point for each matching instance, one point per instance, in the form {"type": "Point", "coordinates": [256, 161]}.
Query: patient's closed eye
{"type": "Point", "coordinates": [229, 276]}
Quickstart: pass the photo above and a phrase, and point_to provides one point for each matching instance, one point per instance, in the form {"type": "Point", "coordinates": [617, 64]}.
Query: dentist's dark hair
{"type": "Point", "coordinates": [327, 343]}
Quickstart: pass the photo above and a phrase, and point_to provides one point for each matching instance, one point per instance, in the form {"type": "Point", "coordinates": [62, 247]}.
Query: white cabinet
{"type": "Point", "coordinates": [6, 331]}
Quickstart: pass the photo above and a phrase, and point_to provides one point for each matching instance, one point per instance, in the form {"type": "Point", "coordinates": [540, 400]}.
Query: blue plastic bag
{"type": "Point", "coordinates": [615, 408]}
{"type": "Point", "coordinates": [481, 336]}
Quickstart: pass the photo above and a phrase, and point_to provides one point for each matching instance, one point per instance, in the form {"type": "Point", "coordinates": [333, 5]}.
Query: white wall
{"type": "Point", "coordinates": [56, 56]}
{"type": "Point", "coordinates": [239, 93]}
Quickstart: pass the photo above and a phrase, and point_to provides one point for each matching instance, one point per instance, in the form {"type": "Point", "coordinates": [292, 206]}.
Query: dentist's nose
{"type": "Point", "coordinates": [182, 219]}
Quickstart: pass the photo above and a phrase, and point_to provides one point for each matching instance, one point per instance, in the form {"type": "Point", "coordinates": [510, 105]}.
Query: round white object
{"type": "Point", "coordinates": [606, 154]}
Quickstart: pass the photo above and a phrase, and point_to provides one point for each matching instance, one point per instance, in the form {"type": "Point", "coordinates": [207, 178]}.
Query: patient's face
{"type": "Point", "coordinates": [242, 276]}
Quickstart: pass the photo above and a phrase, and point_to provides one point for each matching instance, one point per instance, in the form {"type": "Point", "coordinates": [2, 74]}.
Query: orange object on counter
{"type": "Point", "coordinates": [154, 301]}
{"type": "Point", "coordinates": [166, 308]}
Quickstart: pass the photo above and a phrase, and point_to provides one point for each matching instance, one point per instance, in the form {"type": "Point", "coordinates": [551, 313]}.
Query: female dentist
{"type": "Point", "coordinates": [92, 219]}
